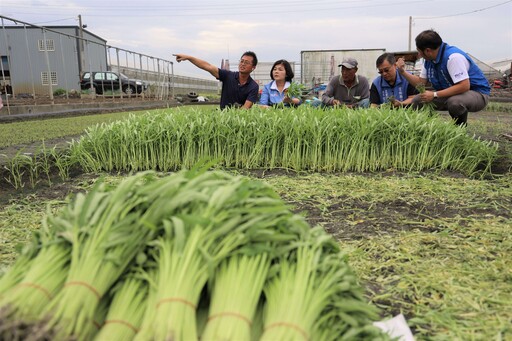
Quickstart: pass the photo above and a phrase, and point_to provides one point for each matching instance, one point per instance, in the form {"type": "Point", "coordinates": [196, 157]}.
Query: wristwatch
{"type": "Point", "coordinates": [435, 94]}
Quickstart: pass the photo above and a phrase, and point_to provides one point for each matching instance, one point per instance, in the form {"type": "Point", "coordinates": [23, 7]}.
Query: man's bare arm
{"type": "Point", "coordinates": [202, 64]}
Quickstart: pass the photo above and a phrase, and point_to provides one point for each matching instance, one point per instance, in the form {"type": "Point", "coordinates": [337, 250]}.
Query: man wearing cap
{"type": "Point", "coordinates": [347, 89]}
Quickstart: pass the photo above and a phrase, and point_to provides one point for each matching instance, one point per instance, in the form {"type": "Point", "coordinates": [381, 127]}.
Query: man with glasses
{"type": "Point", "coordinates": [459, 84]}
{"type": "Point", "coordinates": [348, 89]}
{"type": "Point", "coordinates": [238, 88]}
{"type": "Point", "coordinates": [390, 87]}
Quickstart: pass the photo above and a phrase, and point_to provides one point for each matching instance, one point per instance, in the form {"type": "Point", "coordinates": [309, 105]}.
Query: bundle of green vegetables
{"type": "Point", "coordinates": [193, 255]}
{"type": "Point", "coordinates": [295, 90]}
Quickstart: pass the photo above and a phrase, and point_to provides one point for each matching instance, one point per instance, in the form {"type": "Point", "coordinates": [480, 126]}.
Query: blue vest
{"type": "Point", "coordinates": [399, 90]}
{"type": "Point", "coordinates": [438, 75]}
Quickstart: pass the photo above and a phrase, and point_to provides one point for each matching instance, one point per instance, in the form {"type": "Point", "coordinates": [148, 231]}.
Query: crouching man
{"type": "Point", "coordinates": [459, 84]}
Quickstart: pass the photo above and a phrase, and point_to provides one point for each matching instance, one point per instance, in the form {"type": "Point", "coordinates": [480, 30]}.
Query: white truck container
{"type": "Point", "coordinates": [319, 66]}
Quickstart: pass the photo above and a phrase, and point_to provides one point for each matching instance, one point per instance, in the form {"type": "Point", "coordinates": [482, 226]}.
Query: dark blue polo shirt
{"type": "Point", "coordinates": [233, 92]}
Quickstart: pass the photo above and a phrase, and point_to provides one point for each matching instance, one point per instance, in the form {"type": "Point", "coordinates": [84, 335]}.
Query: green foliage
{"type": "Point", "coordinates": [295, 90]}
{"type": "Point", "coordinates": [36, 131]}
{"type": "Point", "coordinates": [300, 139]}
{"type": "Point", "coordinates": [156, 243]}
{"type": "Point", "coordinates": [499, 107]}
{"type": "Point", "coordinates": [429, 107]}
{"type": "Point", "coordinates": [60, 92]}
{"type": "Point", "coordinates": [433, 247]}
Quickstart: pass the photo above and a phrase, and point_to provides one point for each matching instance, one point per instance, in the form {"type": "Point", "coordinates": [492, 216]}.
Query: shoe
{"type": "Point", "coordinates": [462, 120]}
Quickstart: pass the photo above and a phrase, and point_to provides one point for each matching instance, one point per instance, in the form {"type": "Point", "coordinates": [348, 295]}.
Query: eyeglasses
{"type": "Point", "coordinates": [245, 62]}
{"type": "Point", "coordinates": [386, 70]}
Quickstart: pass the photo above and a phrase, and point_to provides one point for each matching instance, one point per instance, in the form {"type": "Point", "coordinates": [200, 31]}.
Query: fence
{"type": "Point", "coordinates": [45, 64]}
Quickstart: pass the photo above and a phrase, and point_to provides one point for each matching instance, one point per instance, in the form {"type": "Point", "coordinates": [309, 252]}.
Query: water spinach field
{"type": "Point", "coordinates": [296, 224]}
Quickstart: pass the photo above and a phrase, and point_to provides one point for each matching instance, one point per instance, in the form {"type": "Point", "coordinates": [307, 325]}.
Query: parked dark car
{"type": "Point", "coordinates": [111, 81]}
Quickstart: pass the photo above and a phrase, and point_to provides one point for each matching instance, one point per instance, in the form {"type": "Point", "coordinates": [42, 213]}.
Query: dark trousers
{"type": "Point", "coordinates": [458, 106]}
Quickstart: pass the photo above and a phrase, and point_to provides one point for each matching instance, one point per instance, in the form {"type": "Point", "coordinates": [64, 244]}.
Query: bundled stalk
{"type": "Point", "coordinates": [41, 283]}
{"type": "Point", "coordinates": [237, 289]}
{"type": "Point", "coordinates": [42, 279]}
{"type": "Point", "coordinates": [149, 313]}
{"type": "Point", "coordinates": [186, 230]}
{"type": "Point", "coordinates": [429, 107]}
{"type": "Point", "coordinates": [126, 310]}
{"type": "Point", "coordinates": [98, 319]}
{"type": "Point", "coordinates": [15, 273]}
{"type": "Point", "coordinates": [105, 234]}
{"type": "Point", "coordinates": [222, 214]}
{"type": "Point", "coordinates": [301, 294]}
{"type": "Point", "coordinates": [182, 277]}
{"type": "Point", "coordinates": [33, 281]}
{"type": "Point", "coordinates": [177, 254]}
{"type": "Point", "coordinates": [295, 90]}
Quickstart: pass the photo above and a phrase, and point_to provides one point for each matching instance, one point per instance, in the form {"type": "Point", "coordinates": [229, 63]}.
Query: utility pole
{"type": "Point", "coordinates": [81, 51]}
{"type": "Point", "coordinates": [410, 32]}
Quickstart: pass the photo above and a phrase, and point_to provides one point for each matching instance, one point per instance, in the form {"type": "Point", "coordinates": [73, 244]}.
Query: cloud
{"type": "Point", "coordinates": [220, 30]}
{"type": "Point", "coordinates": [225, 36]}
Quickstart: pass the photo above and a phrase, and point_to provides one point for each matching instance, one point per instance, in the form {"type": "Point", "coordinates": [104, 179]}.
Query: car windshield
{"type": "Point", "coordinates": [123, 76]}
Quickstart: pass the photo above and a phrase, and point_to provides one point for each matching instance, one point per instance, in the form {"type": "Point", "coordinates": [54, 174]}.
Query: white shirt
{"type": "Point", "coordinates": [458, 67]}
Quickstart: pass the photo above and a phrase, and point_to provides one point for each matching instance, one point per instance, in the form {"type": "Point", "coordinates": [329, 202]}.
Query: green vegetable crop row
{"type": "Point", "coordinates": [303, 138]}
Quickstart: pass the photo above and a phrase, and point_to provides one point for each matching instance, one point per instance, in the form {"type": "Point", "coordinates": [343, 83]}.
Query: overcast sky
{"type": "Point", "coordinates": [224, 29]}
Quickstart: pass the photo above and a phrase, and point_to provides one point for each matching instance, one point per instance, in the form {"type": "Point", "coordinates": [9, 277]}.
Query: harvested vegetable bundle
{"type": "Point", "coordinates": [40, 239]}
{"type": "Point", "coordinates": [190, 229]}
{"type": "Point", "coordinates": [45, 278]}
{"type": "Point", "coordinates": [429, 106]}
{"type": "Point", "coordinates": [105, 234]}
{"type": "Point", "coordinates": [32, 282]}
{"type": "Point", "coordinates": [307, 283]}
{"type": "Point", "coordinates": [144, 332]}
{"type": "Point", "coordinates": [222, 214]}
{"type": "Point", "coordinates": [236, 293]}
{"type": "Point", "coordinates": [17, 271]}
{"type": "Point", "coordinates": [295, 90]}
{"type": "Point", "coordinates": [126, 310]}
{"type": "Point", "coordinates": [257, 323]}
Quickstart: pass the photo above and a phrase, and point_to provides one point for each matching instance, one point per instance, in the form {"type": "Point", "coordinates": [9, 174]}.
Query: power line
{"type": "Point", "coordinates": [224, 10]}
{"type": "Point", "coordinates": [48, 22]}
{"type": "Point", "coordinates": [459, 14]}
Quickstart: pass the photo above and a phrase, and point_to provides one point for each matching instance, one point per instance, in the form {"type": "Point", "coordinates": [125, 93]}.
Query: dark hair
{"type": "Point", "coordinates": [428, 39]}
{"type": "Point", "coordinates": [287, 68]}
{"type": "Point", "coordinates": [390, 57]}
{"type": "Point", "coordinates": [253, 55]}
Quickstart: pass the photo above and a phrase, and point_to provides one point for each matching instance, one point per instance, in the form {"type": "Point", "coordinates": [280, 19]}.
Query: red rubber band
{"type": "Point", "coordinates": [290, 325]}
{"type": "Point", "coordinates": [227, 313]}
{"type": "Point", "coordinates": [38, 287]}
{"type": "Point", "coordinates": [86, 285]}
{"type": "Point", "coordinates": [124, 323]}
{"type": "Point", "coordinates": [176, 299]}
